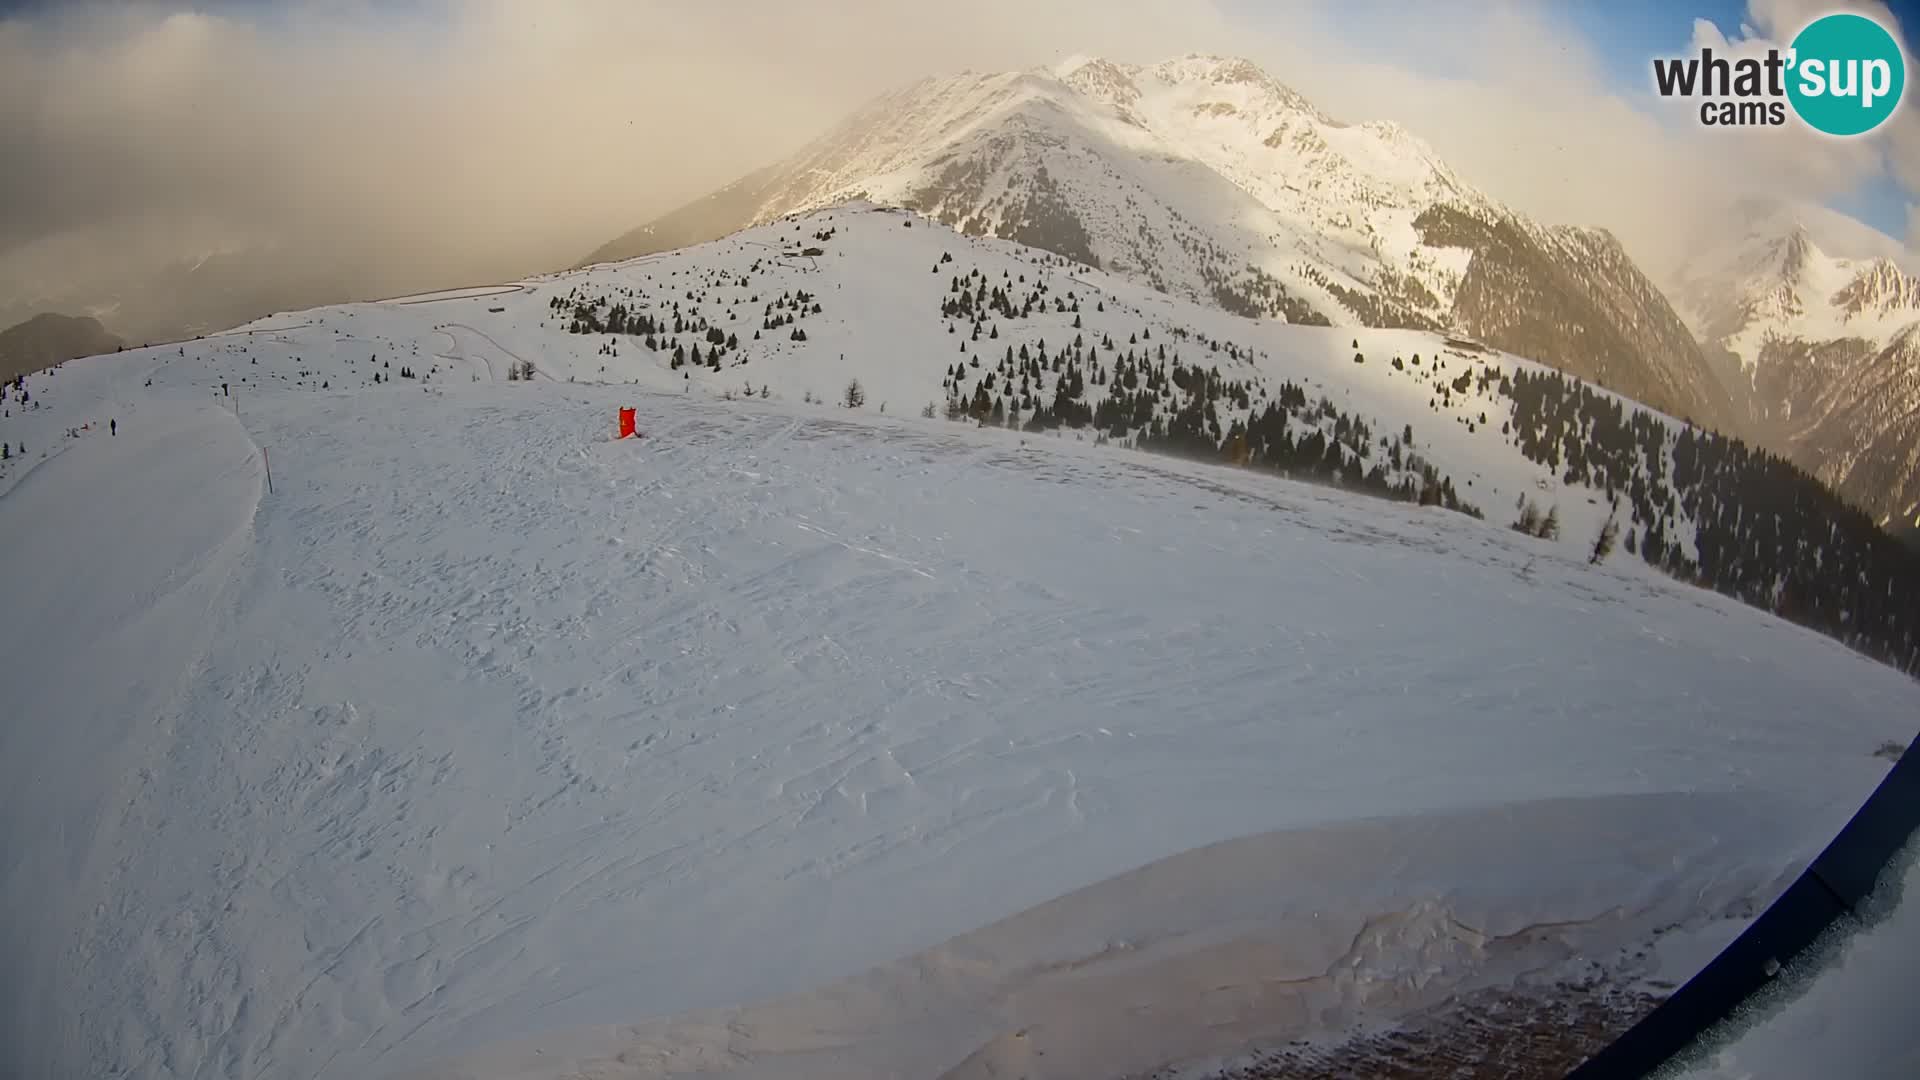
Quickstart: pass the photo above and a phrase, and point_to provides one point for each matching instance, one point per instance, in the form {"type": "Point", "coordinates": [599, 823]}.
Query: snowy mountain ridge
{"type": "Point", "coordinates": [992, 332]}
{"type": "Point", "coordinates": [1780, 286]}
{"type": "Point", "coordinates": [1819, 351]}
{"type": "Point", "coordinates": [1206, 178]}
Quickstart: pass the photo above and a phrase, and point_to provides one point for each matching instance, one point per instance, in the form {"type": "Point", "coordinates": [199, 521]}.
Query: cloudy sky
{"type": "Point", "coordinates": [465, 138]}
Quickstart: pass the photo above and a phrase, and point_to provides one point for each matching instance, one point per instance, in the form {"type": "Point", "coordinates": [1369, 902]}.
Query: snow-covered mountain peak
{"type": "Point", "coordinates": [1393, 135]}
{"type": "Point", "coordinates": [1235, 80]}
{"type": "Point", "coordinates": [1206, 178]}
{"type": "Point", "coordinates": [1795, 252]}
{"type": "Point", "coordinates": [1778, 283]}
{"type": "Point", "coordinates": [1879, 287]}
{"type": "Point", "coordinates": [1759, 284]}
{"type": "Point", "coordinates": [1788, 267]}
{"type": "Point", "coordinates": [1102, 80]}
{"type": "Point", "coordinates": [1773, 254]}
{"type": "Point", "coordinates": [1210, 68]}
{"type": "Point", "coordinates": [1818, 348]}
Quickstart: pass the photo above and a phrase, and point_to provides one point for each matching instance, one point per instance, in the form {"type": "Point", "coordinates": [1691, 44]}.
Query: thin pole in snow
{"type": "Point", "coordinates": [269, 463]}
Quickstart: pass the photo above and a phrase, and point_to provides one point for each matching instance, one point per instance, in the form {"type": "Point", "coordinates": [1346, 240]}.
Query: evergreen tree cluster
{"type": "Point", "coordinates": [1141, 393]}
{"type": "Point", "coordinates": [621, 314]}
{"type": "Point", "coordinates": [1041, 389]}
{"type": "Point", "coordinates": [972, 299]}
{"type": "Point", "coordinates": [1372, 309]}
{"type": "Point", "coordinates": [1256, 294]}
{"type": "Point", "coordinates": [583, 314]}
{"type": "Point", "coordinates": [1764, 531]}
{"type": "Point", "coordinates": [1590, 438]}
{"type": "Point", "coordinates": [786, 309]}
{"type": "Point", "coordinates": [1532, 522]}
{"type": "Point", "coordinates": [1248, 291]}
{"type": "Point", "coordinates": [1321, 442]}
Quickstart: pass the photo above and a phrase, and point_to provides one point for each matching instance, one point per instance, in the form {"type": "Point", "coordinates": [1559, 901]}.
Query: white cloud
{"type": "Point", "coordinates": [1538, 121]}
{"type": "Point", "coordinates": [493, 136]}
{"type": "Point", "coordinates": [498, 135]}
{"type": "Point", "coordinates": [1535, 123]}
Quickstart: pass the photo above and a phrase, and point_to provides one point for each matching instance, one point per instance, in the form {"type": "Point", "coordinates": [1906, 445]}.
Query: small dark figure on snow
{"type": "Point", "coordinates": [224, 391]}
{"type": "Point", "coordinates": [113, 427]}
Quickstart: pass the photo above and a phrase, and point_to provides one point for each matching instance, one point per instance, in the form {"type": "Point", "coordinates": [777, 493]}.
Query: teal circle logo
{"type": "Point", "coordinates": [1846, 74]}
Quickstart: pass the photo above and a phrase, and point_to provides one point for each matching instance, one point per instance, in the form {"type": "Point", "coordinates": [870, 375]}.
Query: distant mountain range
{"type": "Point", "coordinates": [149, 302]}
{"type": "Point", "coordinates": [1821, 353]}
{"type": "Point", "coordinates": [1206, 178]}
{"type": "Point", "coordinates": [49, 339]}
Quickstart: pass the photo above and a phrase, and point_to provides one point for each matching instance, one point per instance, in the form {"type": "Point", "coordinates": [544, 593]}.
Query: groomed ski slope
{"type": "Point", "coordinates": [482, 727]}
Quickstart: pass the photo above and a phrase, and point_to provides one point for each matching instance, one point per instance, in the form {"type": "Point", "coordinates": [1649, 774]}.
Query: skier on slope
{"type": "Point", "coordinates": [113, 426]}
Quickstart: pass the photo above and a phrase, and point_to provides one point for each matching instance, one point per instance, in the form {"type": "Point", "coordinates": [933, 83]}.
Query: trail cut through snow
{"type": "Point", "coordinates": [116, 581]}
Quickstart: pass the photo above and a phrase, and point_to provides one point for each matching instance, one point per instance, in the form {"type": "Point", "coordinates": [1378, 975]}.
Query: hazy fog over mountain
{"type": "Point", "coordinates": [333, 149]}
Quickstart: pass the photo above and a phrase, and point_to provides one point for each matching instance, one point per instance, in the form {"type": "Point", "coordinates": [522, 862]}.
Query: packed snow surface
{"type": "Point", "coordinates": [481, 725]}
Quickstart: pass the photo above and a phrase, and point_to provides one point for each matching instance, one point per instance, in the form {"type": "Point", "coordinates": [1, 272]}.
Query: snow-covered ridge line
{"type": "Point", "coordinates": [807, 304]}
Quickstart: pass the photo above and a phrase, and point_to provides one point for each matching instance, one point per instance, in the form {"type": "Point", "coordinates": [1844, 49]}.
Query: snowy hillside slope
{"type": "Point", "coordinates": [479, 724]}
{"type": "Point", "coordinates": [1403, 380]}
{"type": "Point", "coordinates": [884, 291]}
{"type": "Point", "coordinates": [1429, 418]}
{"type": "Point", "coordinates": [986, 330]}
{"type": "Point", "coordinates": [1206, 178]}
{"type": "Point", "coordinates": [1820, 351]}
